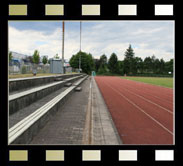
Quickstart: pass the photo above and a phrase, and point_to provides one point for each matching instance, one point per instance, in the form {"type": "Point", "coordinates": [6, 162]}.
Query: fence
{"type": "Point", "coordinates": [28, 69]}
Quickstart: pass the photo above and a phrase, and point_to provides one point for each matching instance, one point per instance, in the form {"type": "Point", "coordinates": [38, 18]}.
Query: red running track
{"type": "Point", "coordinates": [142, 113]}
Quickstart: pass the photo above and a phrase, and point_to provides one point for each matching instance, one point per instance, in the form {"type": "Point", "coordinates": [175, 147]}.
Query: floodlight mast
{"type": "Point", "coordinates": [63, 29]}
{"type": "Point", "coordinates": [80, 50]}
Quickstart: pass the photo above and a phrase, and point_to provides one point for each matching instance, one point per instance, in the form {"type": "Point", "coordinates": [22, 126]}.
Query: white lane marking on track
{"type": "Point", "coordinates": [152, 95]}
{"type": "Point", "coordinates": [150, 102]}
{"type": "Point", "coordinates": [141, 110]}
{"type": "Point", "coordinates": [138, 83]}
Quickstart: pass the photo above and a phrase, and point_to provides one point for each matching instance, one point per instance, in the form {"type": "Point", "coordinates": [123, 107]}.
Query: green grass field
{"type": "Point", "coordinates": [161, 81]}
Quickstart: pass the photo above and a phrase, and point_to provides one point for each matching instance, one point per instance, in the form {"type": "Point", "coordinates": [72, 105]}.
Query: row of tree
{"type": "Point", "coordinates": [132, 65]}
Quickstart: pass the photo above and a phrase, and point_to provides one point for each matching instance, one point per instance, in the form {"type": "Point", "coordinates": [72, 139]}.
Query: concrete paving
{"type": "Point", "coordinates": [83, 119]}
{"type": "Point", "coordinates": [104, 131]}
{"type": "Point", "coordinates": [67, 126]}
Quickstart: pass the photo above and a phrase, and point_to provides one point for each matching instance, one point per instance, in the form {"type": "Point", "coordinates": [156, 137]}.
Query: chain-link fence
{"type": "Point", "coordinates": [28, 69]}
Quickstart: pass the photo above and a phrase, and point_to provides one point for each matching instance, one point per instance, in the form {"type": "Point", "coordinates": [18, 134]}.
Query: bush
{"type": "Point", "coordinates": [102, 70]}
{"type": "Point", "coordinates": [108, 74]}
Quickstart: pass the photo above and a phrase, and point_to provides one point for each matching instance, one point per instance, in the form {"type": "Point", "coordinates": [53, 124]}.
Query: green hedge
{"type": "Point", "coordinates": [151, 75]}
{"type": "Point", "coordinates": [108, 74]}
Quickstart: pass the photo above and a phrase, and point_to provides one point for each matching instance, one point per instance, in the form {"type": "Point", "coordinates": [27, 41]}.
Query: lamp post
{"type": "Point", "coordinates": [63, 28]}
{"type": "Point", "coordinates": [80, 50]}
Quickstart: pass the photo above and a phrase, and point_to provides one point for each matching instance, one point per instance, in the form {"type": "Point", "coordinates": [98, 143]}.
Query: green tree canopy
{"type": "Point", "coordinates": [102, 64]}
{"type": "Point", "coordinates": [113, 63]}
{"type": "Point", "coordinates": [36, 57]}
{"type": "Point", "coordinates": [162, 66]}
{"type": "Point", "coordinates": [103, 61]}
{"type": "Point", "coordinates": [10, 56]}
{"type": "Point", "coordinates": [129, 54]}
{"type": "Point", "coordinates": [87, 62]}
{"type": "Point", "coordinates": [137, 65]}
{"type": "Point", "coordinates": [129, 62]}
{"type": "Point", "coordinates": [121, 67]}
{"type": "Point", "coordinates": [148, 64]}
{"type": "Point", "coordinates": [169, 66]}
{"type": "Point", "coordinates": [97, 64]}
{"type": "Point", "coordinates": [45, 60]}
{"type": "Point", "coordinates": [56, 56]}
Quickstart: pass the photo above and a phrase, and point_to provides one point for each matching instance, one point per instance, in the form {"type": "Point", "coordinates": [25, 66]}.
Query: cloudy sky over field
{"type": "Point", "coordinates": [98, 37]}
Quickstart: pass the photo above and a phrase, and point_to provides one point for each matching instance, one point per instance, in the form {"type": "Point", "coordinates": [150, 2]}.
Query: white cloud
{"type": "Point", "coordinates": [26, 41]}
{"type": "Point", "coordinates": [147, 38]}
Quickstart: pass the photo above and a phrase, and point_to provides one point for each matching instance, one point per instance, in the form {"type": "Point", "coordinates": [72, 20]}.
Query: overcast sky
{"type": "Point", "coordinates": [98, 37]}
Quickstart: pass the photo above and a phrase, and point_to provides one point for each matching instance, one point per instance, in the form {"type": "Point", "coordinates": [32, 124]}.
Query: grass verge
{"type": "Point", "coordinates": [31, 75]}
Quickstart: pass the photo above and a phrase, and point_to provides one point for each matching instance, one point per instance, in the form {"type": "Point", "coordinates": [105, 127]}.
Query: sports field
{"type": "Point", "coordinates": [161, 81]}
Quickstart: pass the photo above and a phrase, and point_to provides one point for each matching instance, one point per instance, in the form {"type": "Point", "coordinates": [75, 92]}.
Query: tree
{"type": "Point", "coordinates": [137, 65]}
{"type": "Point", "coordinates": [102, 64]}
{"type": "Point", "coordinates": [45, 60]}
{"type": "Point", "coordinates": [153, 66]}
{"type": "Point", "coordinates": [102, 70]}
{"type": "Point", "coordinates": [129, 60]}
{"type": "Point", "coordinates": [162, 66]}
{"type": "Point", "coordinates": [56, 56]}
{"type": "Point", "coordinates": [10, 56]}
{"type": "Point", "coordinates": [169, 66]}
{"type": "Point", "coordinates": [113, 63]}
{"type": "Point", "coordinates": [156, 66]}
{"type": "Point", "coordinates": [148, 64]}
{"type": "Point", "coordinates": [121, 67]}
{"type": "Point", "coordinates": [126, 66]}
{"type": "Point", "coordinates": [129, 54]}
{"type": "Point", "coordinates": [49, 60]}
{"type": "Point", "coordinates": [87, 62]}
{"type": "Point", "coordinates": [97, 64]}
{"type": "Point", "coordinates": [103, 61]}
{"type": "Point", "coordinates": [36, 60]}
{"type": "Point", "coordinates": [36, 57]}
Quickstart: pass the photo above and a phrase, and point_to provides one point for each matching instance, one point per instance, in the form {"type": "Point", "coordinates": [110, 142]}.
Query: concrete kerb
{"type": "Point", "coordinates": [104, 126]}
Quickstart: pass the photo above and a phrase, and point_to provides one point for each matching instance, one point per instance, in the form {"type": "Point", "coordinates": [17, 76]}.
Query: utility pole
{"type": "Point", "coordinates": [80, 50]}
{"type": "Point", "coordinates": [63, 29]}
